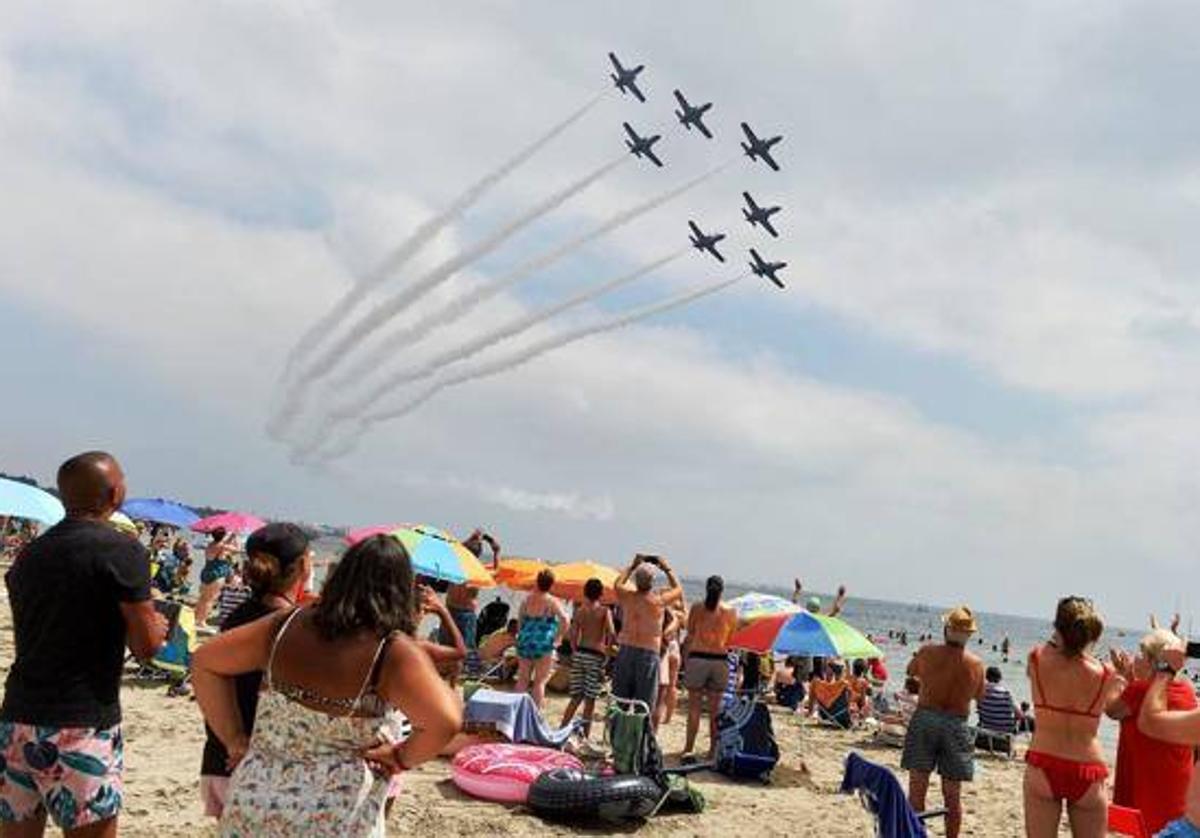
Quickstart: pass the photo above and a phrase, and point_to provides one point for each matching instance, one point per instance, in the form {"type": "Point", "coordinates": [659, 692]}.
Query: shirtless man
{"type": "Point", "coordinates": [709, 627]}
{"type": "Point", "coordinates": [938, 735]}
{"type": "Point", "coordinates": [1180, 727]}
{"type": "Point", "coordinates": [590, 635]}
{"type": "Point", "coordinates": [635, 673]}
{"type": "Point", "coordinates": [461, 600]}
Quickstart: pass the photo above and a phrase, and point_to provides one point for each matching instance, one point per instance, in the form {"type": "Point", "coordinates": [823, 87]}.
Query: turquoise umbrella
{"type": "Point", "coordinates": [20, 500]}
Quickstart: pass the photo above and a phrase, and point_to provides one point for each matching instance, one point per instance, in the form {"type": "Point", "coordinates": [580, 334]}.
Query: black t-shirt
{"type": "Point", "coordinates": [65, 590]}
{"type": "Point", "coordinates": [246, 685]}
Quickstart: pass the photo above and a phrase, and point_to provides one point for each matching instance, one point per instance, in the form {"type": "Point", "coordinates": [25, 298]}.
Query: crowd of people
{"type": "Point", "coordinates": [314, 703]}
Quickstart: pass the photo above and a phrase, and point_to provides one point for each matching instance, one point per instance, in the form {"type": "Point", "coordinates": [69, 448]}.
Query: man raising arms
{"type": "Point", "coordinates": [635, 672]}
{"type": "Point", "coordinates": [78, 594]}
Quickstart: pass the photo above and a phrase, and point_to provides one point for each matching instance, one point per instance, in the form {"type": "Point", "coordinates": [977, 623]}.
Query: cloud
{"type": "Point", "coordinates": [1012, 191]}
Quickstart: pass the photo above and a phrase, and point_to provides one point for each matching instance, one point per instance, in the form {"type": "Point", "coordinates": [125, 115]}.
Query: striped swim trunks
{"type": "Point", "coordinates": [587, 673]}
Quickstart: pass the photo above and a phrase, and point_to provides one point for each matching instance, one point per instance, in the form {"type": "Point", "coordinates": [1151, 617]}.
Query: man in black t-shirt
{"type": "Point", "coordinates": [78, 594]}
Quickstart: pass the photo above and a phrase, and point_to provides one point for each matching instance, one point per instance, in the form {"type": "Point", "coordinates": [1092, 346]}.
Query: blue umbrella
{"type": "Point", "coordinates": [160, 511]}
{"type": "Point", "coordinates": [20, 500]}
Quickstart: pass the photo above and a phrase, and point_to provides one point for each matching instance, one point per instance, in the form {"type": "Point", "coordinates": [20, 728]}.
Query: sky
{"type": "Point", "coordinates": [981, 384]}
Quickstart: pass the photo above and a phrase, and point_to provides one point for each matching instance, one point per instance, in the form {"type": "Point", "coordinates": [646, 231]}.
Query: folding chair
{"type": "Point", "coordinates": [1125, 821]}
{"type": "Point", "coordinates": [882, 795]}
{"type": "Point", "coordinates": [995, 742]}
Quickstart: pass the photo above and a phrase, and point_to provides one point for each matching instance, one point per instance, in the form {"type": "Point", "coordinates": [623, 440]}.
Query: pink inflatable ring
{"type": "Point", "coordinates": [503, 772]}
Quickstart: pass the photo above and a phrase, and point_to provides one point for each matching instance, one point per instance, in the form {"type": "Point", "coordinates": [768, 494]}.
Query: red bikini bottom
{"type": "Point", "coordinates": [1069, 779]}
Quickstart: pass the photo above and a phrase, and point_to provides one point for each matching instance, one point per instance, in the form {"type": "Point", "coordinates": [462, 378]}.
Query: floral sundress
{"type": "Point", "coordinates": [302, 774]}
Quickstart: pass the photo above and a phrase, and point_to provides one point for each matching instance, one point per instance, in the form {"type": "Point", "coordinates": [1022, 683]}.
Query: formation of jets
{"type": "Point", "coordinates": [755, 147]}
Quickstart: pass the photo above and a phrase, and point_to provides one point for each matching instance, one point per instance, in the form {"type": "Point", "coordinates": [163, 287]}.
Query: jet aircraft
{"type": "Point", "coordinates": [766, 270]}
{"type": "Point", "coordinates": [642, 146]}
{"type": "Point", "coordinates": [690, 115]}
{"type": "Point", "coordinates": [760, 149]}
{"type": "Point", "coordinates": [760, 216]}
{"type": "Point", "coordinates": [626, 80]}
{"type": "Point", "coordinates": [708, 243]}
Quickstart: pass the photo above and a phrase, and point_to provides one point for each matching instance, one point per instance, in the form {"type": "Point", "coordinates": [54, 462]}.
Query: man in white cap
{"type": "Point", "coordinates": [938, 736]}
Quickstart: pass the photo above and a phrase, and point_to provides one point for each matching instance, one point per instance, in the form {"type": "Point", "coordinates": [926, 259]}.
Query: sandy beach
{"type": "Point", "coordinates": [164, 737]}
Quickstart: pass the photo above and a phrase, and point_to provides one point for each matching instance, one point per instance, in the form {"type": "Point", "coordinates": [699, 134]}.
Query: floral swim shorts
{"type": "Point", "coordinates": [74, 773]}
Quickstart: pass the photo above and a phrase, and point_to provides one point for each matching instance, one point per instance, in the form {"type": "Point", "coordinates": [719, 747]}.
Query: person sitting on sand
{"type": "Point", "coordinates": [590, 634]}
{"type": "Point", "coordinates": [543, 624]}
{"type": "Point", "coordinates": [860, 688]}
{"type": "Point", "coordinates": [829, 697]}
{"type": "Point", "coordinates": [1151, 775]}
{"type": "Point", "coordinates": [1065, 761]}
{"type": "Point", "coordinates": [336, 672]}
{"type": "Point", "coordinates": [710, 624]}
{"type": "Point", "coordinates": [79, 594]}
{"type": "Point", "coordinates": [277, 562]}
{"type": "Point", "coordinates": [635, 671]}
{"type": "Point", "coordinates": [938, 736]}
{"type": "Point", "coordinates": [997, 714]}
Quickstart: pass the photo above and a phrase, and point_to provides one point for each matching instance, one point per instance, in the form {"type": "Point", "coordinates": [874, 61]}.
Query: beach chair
{"type": "Point", "coordinates": [882, 795]}
{"type": "Point", "coordinates": [995, 742]}
{"type": "Point", "coordinates": [1125, 821]}
{"type": "Point", "coordinates": [836, 715]}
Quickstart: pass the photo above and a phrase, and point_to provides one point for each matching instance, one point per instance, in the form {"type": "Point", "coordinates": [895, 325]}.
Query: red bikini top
{"type": "Point", "coordinates": [1093, 711]}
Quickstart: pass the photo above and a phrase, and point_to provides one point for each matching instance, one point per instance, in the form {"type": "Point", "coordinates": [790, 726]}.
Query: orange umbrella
{"type": "Point", "coordinates": [570, 578]}
{"type": "Point", "coordinates": [519, 573]}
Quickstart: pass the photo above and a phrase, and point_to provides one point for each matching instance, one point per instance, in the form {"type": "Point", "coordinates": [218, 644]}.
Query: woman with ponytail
{"type": "Point", "coordinates": [1065, 762]}
{"type": "Point", "coordinates": [278, 560]}
{"type": "Point", "coordinates": [706, 671]}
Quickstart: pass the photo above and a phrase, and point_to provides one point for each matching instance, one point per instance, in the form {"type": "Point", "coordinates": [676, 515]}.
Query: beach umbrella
{"type": "Point", "coordinates": [804, 634]}
{"type": "Point", "coordinates": [518, 573]}
{"type": "Point", "coordinates": [363, 533]}
{"type": "Point", "coordinates": [440, 555]}
{"type": "Point", "coordinates": [570, 578]}
{"type": "Point", "coordinates": [160, 511]}
{"type": "Point", "coordinates": [238, 522]}
{"type": "Point", "coordinates": [21, 500]}
{"type": "Point", "coordinates": [754, 606]}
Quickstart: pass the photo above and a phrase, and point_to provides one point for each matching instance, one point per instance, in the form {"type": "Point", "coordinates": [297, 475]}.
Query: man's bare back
{"type": "Point", "coordinates": [641, 620]}
{"type": "Point", "coordinates": [950, 676]}
{"type": "Point", "coordinates": [592, 627]}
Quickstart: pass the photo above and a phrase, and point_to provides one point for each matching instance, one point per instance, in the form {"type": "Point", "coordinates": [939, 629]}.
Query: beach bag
{"type": "Point", "coordinates": [746, 748]}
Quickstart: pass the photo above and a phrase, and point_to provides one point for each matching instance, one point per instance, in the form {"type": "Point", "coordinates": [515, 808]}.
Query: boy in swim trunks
{"type": "Point", "coordinates": [590, 635]}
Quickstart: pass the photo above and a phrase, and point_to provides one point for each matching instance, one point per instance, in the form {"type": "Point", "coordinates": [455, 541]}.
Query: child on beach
{"type": "Point", "coordinates": [590, 635]}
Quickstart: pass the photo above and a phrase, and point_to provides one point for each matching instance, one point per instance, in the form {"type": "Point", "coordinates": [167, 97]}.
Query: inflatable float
{"type": "Point", "coordinates": [503, 773]}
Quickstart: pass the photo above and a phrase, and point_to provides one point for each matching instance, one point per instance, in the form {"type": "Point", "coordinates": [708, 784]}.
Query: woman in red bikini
{"type": "Point", "coordinates": [1065, 762]}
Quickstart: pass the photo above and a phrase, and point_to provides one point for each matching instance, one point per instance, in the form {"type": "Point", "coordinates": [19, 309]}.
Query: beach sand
{"type": "Point", "coordinates": [164, 737]}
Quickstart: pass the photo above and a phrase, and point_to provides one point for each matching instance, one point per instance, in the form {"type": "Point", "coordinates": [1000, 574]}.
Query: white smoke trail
{"type": "Point", "coordinates": [515, 359]}
{"type": "Point", "coordinates": [397, 258]}
{"type": "Point", "coordinates": [415, 372]}
{"type": "Point", "coordinates": [460, 307]}
{"type": "Point", "coordinates": [293, 400]}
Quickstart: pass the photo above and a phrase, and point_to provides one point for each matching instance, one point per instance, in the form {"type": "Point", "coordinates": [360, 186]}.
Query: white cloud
{"type": "Point", "coordinates": [187, 186]}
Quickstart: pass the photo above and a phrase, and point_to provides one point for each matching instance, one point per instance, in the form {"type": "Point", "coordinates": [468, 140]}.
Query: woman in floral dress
{"type": "Point", "coordinates": [335, 675]}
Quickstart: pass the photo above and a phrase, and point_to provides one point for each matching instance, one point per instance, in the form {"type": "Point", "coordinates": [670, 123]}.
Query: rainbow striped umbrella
{"type": "Point", "coordinates": [438, 554]}
{"type": "Point", "coordinates": [755, 606]}
{"type": "Point", "coordinates": [804, 634]}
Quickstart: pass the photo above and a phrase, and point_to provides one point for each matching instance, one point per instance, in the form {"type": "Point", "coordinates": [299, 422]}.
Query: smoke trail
{"type": "Point", "coordinates": [460, 307]}
{"type": "Point", "coordinates": [430, 228]}
{"type": "Point", "coordinates": [293, 400]}
{"type": "Point", "coordinates": [517, 358]}
{"type": "Point", "coordinates": [430, 366]}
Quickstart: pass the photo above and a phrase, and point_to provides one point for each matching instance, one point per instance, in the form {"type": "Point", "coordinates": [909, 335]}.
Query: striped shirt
{"type": "Point", "coordinates": [229, 599]}
{"type": "Point", "coordinates": [996, 709]}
